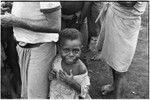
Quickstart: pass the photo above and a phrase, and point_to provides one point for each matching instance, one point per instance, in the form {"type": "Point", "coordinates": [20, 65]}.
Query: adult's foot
{"type": "Point", "coordinates": [107, 89]}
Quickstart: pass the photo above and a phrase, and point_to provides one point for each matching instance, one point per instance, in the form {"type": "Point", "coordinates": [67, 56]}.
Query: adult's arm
{"type": "Point", "coordinates": [41, 25]}
{"type": "Point", "coordinates": [84, 11]}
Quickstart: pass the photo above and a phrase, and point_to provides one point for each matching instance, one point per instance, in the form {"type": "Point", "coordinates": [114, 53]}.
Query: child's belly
{"type": "Point", "coordinates": [59, 90]}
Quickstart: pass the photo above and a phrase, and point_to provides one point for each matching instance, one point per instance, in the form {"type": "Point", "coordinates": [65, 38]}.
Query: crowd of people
{"type": "Point", "coordinates": [44, 43]}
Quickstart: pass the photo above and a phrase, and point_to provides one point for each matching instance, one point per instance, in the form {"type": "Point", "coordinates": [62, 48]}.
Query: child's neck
{"type": "Point", "coordinates": [69, 65]}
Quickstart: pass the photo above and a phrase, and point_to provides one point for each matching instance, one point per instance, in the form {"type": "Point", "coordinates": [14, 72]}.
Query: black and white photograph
{"type": "Point", "coordinates": [97, 49]}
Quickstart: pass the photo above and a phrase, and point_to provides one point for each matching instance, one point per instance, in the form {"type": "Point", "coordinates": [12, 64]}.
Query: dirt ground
{"type": "Point", "coordinates": [137, 78]}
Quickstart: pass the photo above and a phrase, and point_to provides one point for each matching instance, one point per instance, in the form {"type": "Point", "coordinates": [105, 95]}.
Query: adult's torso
{"type": "Point", "coordinates": [29, 10]}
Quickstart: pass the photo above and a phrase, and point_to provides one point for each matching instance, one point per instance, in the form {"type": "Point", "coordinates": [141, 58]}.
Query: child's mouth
{"type": "Point", "coordinates": [70, 59]}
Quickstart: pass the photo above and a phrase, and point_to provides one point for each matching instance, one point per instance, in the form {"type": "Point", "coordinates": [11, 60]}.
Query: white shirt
{"type": "Point", "coordinates": [31, 10]}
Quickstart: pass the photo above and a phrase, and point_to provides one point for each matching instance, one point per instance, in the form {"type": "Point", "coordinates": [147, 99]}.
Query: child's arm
{"type": "Point", "coordinates": [81, 89]}
{"type": "Point", "coordinates": [68, 79]}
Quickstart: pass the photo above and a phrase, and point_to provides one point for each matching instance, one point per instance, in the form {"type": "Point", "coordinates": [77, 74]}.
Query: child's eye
{"type": "Point", "coordinates": [66, 50]}
{"type": "Point", "coordinates": [76, 50]}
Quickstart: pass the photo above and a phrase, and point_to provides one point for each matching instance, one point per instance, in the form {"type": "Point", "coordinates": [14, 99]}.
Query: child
{"type": "Point", "coordinates": [69, 76]}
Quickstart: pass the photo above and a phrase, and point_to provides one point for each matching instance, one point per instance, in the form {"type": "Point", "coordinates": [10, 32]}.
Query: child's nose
{"type": "Point", "coordinates": [71, 53]}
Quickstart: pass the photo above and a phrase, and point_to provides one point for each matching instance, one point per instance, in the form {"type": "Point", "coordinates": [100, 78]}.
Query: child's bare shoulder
{"type": "Point", "coordinates": [82, 67]}
{"type": "Point", "coordinates": [55, 60]}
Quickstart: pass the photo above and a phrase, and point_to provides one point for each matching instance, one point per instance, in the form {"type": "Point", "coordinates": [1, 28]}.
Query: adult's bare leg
{"type": "Point", "coordinates": [99, 45]}
{"type": "Point", "coordinates": [118, 79]}
{"type": "Point", "coordinates": [84, 32]}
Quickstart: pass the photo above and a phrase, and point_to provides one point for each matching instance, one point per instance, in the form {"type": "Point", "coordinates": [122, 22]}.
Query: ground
{"type": "Point", "coordinates": [137, 84]}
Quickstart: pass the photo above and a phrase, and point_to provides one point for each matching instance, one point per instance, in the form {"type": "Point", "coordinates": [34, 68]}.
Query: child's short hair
{"type": "Point", "coordinates": [69, 33]}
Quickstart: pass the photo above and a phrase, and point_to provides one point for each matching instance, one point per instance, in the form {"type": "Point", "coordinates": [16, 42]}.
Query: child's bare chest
{"type": "Point", "coordinates": [68, 68]}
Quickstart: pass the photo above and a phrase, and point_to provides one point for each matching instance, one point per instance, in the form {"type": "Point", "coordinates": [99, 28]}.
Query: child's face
{"type": "Point", "coordinates": [71, 51]}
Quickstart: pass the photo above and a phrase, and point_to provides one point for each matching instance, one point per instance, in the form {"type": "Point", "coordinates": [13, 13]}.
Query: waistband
{"type": "Point", "coordinates": [123, 12]}
{"type": "Point", "coordinates": [29, 45]}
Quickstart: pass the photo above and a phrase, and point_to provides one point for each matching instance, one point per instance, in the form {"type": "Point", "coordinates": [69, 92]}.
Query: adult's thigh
{"type": "Point", "coordinates": [40, 62]}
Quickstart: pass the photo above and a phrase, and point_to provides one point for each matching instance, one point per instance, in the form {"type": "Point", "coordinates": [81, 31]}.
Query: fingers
{"type": "Point", "coordinates": [4, 10]}
{"type": "Point", "coordinates": [5, 7]}
{"type": "Point", "coordinates": [52, 75]}
{"type": "Point", "coordinates": [53, 72]}
{"type": "Point", "coordinates": [6, 20]}
{"type": "Point", "coordinates": [71, 72]}
{"type": "Point", "coordinates": [64, 76]}
{"type": "Point", "coordinates": [61, 74]}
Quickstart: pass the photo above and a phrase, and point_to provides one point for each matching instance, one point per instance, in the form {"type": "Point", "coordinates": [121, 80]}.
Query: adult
{"type": "Point", "coordinates": [93, 27]}
{"type": "Point", "coordinates": [36, 26]}
{"type": "Point", "coordinates": [117, 41]}
{"type": "Point", "coordinates": [74, 16]}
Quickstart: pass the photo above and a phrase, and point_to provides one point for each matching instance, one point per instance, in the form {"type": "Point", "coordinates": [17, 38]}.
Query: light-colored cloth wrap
{"type": "Point", "coordinates": [34, 64]}
{"type": "Point", "coordinates": [59, 90]}
{"type": "Point", "coordinates": [119, 34]}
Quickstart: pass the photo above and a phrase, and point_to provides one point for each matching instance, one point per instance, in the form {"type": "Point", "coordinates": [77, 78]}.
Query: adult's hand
{"type": "Point", "coordinates": [7, 20]}
{"type": "Point", "coordinates": [6, 7]}
{"type": "Point", "coordinates": [127, 3]}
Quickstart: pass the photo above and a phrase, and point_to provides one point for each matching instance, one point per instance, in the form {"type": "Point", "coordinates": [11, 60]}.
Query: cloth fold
{"type": "Point", "coordinates": [34, 64]}
{"type": "Point", "coordinates": [119, 35]}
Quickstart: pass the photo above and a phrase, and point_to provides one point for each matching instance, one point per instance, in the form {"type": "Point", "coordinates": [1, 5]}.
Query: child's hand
{"type": "Point", "coordinates": [52, 75]}
{"type": "Point", "coordinates": [64, 76]}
